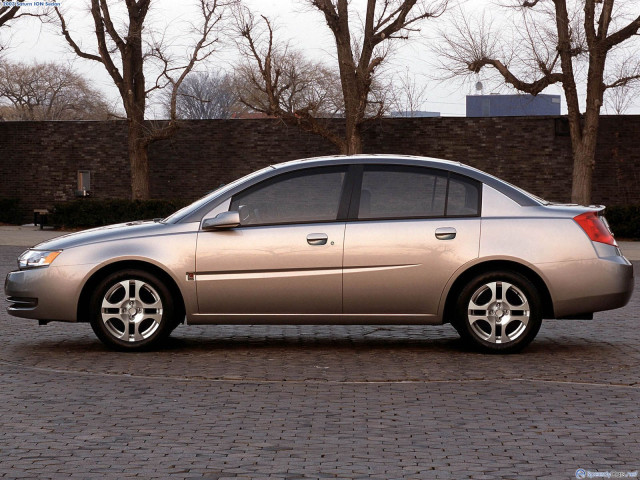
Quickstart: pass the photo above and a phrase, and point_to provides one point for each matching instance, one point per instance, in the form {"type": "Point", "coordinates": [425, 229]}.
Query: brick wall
{"type": "Point", "coordinates": [39, 160]}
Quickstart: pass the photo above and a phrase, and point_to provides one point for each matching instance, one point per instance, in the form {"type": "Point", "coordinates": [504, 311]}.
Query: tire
{"type": "Point", "coordinates": [132, 310]}
{"type": "Point", "coordinates": [499, 312]}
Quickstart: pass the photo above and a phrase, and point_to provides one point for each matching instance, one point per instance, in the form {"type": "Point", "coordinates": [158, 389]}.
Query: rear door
{"type": "Point", "coordinates": [410, 229]}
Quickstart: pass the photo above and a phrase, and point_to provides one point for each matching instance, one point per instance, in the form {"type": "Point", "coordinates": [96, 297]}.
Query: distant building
{"type": "Point", "coordinates": [413, 113]}
{"type": "Point", "coordinates": [512, 105]}
{"type": "Point", "coordinates": [240, 115]}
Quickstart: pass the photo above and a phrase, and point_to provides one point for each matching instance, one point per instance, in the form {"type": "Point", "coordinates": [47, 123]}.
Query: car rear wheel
{"type": "Point", "coordinates": [499, 312]}
{"type": "Point", "coordinates": [132, 310]}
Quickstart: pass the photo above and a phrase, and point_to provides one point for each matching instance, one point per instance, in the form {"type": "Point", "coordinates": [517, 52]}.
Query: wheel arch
{"type": "Point", "coordinates": [491, 266]}
{"type": "Point", "coordinates": [97, 276]}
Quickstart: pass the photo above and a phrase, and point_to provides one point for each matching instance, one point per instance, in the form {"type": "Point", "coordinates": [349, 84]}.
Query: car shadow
{"type": "Point", "coordinates": [189, 343]}
{"type": "Point", "coordinates": [309, 343]}
{"type": "Point", "coordinates": [201, 344]}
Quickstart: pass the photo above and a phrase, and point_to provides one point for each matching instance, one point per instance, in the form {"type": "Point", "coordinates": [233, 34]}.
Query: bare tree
{"type": "Point", "coordinates": [618, 100]}
{"type": "Point", "coordinates": [11, 13]}
{"type": "Point", "coordinates": [48, 91]}
{"type": "Point", "coordinates": [288, 86]}
{"type": "Point", "coordinates": [133, 44]}
{"type": "Point", "coordinates": [358, 58]}
{"type": "Point", "coordinates": [204, 95]}
{"type": "Point", "coordinates": [359, 52]}
{"type": "Point", "coordinates": [281, 82]}
{"type": "Point", "coordinates": [557, 39]}
{"type": "Point", "coordinates": [407, 96]}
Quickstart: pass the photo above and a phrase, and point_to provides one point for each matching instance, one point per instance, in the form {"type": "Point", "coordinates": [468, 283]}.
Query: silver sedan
{"type": "Point", "coordinates": [335, 240]}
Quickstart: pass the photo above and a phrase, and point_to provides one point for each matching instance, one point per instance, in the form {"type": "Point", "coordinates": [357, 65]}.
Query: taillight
{"type": "Point", "coordinates": [595, 228]}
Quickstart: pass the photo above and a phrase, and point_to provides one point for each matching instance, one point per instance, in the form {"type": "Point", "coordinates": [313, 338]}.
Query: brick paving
{"type": "Point", "coordinates": [258, 402]}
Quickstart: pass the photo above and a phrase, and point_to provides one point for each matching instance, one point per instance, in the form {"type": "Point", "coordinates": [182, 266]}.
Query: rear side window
{"type": "Point", "coordinates": [414, 192]}
{"type": "Point", "coordinates": [299, 197]}
{"type": "Point", "coordinates": [389, 192]}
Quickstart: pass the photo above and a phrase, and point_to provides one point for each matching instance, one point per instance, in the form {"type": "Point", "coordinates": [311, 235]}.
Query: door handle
{"type": "Point", "coordinates": [317, 238]}
{"type": "Point", "coordinates": [445, 233]}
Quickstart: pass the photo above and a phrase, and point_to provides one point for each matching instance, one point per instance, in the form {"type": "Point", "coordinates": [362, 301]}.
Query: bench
{"type": "Point", "coordinates": [40, 217]}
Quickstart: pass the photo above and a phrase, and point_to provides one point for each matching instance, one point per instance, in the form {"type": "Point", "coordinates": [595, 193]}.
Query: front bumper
{"type": "Point", "coordinates": [49, 293]}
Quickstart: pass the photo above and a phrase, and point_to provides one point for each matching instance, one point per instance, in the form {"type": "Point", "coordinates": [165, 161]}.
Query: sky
{"type": "Point", "coordinates": [296, 22]}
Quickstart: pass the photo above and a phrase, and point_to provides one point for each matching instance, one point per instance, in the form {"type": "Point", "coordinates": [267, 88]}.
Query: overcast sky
{"type": "Point", "coordinates": [298, 23]}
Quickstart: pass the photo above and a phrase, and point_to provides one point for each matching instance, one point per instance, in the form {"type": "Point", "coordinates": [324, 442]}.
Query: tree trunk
{"type": "Point", "coordinates": [353, 143]}
{"type": "Point", "coordinates": [138, 158]}
{"type": "Point", "coordinates": [584, 157]}
{"type": "Point", "coordinates": [584, 144]}
{"type": "Point", "coordinates": [583, 163]}
{"type": "Point", "coordinates": [354, 115]}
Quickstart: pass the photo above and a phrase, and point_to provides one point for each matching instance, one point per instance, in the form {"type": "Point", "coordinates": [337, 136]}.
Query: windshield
{"type": "Point", "coordinates": [185, 211]}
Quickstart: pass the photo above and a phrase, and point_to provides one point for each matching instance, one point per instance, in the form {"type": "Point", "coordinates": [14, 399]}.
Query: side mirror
{"type": "Point", "coordinates": [221, 221]}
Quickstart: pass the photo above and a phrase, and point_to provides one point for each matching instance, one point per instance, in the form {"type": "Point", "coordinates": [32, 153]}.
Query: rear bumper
{"type": "Point", "coordinates": [589, 286]}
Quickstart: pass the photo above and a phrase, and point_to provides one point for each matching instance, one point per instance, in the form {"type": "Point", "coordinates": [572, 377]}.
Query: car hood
{"type": "Point", "coordinates": [108, 233]}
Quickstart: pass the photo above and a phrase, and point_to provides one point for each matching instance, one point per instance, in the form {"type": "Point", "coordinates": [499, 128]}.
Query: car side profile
{"type": "Point", "coordinates": [367, 239]}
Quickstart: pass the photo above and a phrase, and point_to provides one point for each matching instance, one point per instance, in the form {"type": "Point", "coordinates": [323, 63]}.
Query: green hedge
{"type": "Point", "coordinates": [10, 211]}
{"type": "Point", "coordinates": [95, 213]}
{"type": "Point", "coordinates": [624, 221]}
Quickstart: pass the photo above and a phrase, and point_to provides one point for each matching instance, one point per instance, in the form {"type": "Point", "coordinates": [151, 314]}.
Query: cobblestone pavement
{"type": "Point", "coordinates": [258, 402]}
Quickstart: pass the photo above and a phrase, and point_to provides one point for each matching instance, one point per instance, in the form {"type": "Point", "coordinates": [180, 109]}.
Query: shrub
{"type": "Point", "coordinates": [10, 211]}
{"type": "Point", "coordinates": [95, 213]}
{"type": "Point", "coordinates": [624, 221]}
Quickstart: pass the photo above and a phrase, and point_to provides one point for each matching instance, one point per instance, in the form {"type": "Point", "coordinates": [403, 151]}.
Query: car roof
{"type": "Point", "coordinates": [367, 159]}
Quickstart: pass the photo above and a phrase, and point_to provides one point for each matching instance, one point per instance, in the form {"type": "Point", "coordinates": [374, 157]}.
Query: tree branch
{"type": "Point", "coordinates": [533, 88]}
{"type": "Point", "coordinates": [402, 19]}
{"type": "Point", "coordinates": [589, 22]}
{"type": "Point", "coordinates": [70, 41]}
{"type": "Point", "coordinates": [111, 30]}
{"type": "Point", "coordinates": [105, 55]}
{"type": "Point", "coordinates": [11, 13]}
{"type": "Point", "coordinates": [622, 82]}
{"type": "Point", "coordinates": [622, 34]}
{"type": "Point", "coordinates": [605, 19]}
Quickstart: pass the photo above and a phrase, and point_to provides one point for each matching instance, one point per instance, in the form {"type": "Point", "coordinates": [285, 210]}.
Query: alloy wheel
{"type": "Point", "coordinates": [131, 310]}
{"type": "Point", "coordinates": [498, 312]}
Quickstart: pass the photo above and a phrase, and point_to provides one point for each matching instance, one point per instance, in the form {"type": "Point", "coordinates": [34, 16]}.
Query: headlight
{"type": "Point", "coordinates": [37, 258]}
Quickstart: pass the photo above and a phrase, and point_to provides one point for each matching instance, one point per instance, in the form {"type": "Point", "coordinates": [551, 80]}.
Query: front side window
{"type": "Point", "coordinates": [415, 192]}
{"type": "Point", "coordinates": [299, 197]}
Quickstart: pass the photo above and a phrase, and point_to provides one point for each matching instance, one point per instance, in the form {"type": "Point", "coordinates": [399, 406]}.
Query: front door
{"type": "Point", "coordinates": [286, 257]}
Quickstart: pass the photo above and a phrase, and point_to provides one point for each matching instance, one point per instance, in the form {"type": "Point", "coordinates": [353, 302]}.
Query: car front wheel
{"type": "Point", "coordinates": [499, 312]}
{"type": "Point", "coordinates": [132, 310]}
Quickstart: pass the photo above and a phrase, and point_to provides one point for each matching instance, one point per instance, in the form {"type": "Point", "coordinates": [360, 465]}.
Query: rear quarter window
{"type": "Point", "coordinates": [463, 198]}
